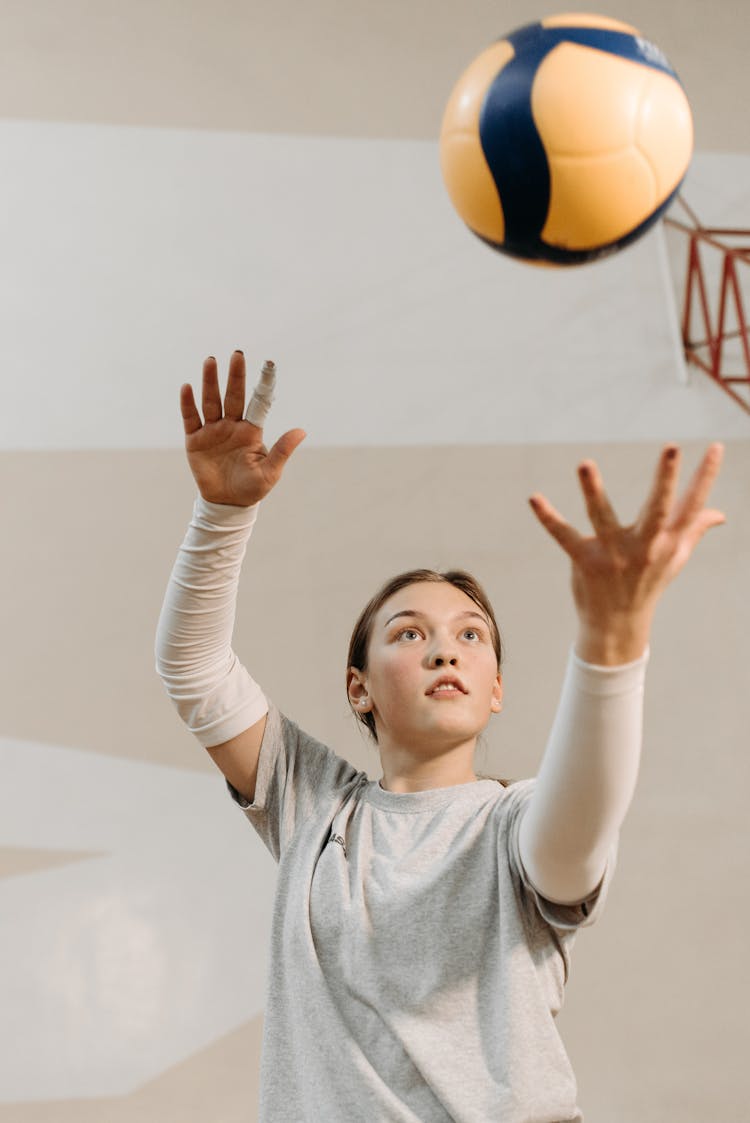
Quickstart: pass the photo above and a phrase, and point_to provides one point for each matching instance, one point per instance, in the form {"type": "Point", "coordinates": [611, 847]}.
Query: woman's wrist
{"type": "Point", "coordinates": [611, 643]}
{"type": "Point", "coordinates": [225, 514]}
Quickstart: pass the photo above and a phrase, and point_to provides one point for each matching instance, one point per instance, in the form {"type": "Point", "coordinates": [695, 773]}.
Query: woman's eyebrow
{"type": "Point", "coordinates": [421, 616]}
{"type": "Point", "coordinates": [405, 612]}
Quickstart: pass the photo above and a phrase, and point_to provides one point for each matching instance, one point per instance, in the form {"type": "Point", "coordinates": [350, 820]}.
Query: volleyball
{"type": "Point", "coordinates": [566, 140]}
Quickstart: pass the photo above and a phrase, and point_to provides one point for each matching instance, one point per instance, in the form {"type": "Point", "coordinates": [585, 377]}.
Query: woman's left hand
{"type": "Point", "coordinates": [620, 572]}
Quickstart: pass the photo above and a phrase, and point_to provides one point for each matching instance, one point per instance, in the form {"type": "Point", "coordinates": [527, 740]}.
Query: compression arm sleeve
{"type": "Point", "coordinates": [586, 780]}
{"type": "Point", "coordinates": [213, 693]}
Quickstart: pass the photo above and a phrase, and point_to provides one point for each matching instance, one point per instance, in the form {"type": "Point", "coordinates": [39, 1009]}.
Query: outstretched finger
{"type": "Point", "coordinates": [234, 397]}
{"type": "Point", "coordinates": [191, 419]}
{"type": "Point", "coordinates": [600, 510]}
{"type": "Point", "coordinates": [262, 396]}
{"type": "Point", "coordinates": [693, 501]}
{"type": "Point", "coordinates": [706, 520]}
{"type": "Point", "coordinates": [552, 521]}
{"type": "Point", "coordinates": [211, 398]}
{"type": "Point", "coordinates": [658, 505]}
{"type": "Point", "coordinates": [282, 450]}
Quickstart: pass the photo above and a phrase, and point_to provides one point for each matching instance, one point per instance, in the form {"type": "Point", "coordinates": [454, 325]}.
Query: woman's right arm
{"type": "Point", "coordinates": [213, 693]}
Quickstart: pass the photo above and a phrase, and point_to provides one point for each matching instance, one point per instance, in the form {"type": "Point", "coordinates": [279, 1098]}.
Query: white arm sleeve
{"type": "Point", "coordinates": [586, 780]}
{"type": "Point", "coordinates": [213, 693]}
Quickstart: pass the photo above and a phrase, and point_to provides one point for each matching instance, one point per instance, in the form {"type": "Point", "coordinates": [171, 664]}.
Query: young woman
{"type": "Point", "coordinates": [423, 922]}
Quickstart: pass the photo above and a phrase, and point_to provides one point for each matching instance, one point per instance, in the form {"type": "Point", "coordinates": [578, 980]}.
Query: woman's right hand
{"type": "Point", "coordinates": [225, 452]}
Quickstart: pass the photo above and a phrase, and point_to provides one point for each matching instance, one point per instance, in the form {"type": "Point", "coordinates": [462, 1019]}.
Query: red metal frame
{"type": "Point", "coordinates": [713, 337]}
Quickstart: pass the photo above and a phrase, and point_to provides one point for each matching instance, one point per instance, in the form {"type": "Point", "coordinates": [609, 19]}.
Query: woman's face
{"type": "Point", "coordinates": [432, 677]}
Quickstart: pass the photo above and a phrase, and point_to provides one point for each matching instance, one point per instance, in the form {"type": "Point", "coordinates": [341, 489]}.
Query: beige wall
{"type": "Point", "coordinates": [359, 69]}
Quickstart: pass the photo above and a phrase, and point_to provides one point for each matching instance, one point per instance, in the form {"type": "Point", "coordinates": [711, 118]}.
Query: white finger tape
{"type": "Point", "coordinates": [260, 402]}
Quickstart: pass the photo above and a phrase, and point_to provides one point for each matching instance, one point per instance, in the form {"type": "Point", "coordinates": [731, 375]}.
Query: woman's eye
{"type": "Point", "coordinates": [407, 633]}
{"type": "Point", "coordinates": [471, 634]}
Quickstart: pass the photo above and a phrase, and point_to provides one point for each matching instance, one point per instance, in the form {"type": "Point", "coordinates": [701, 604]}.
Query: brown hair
{"type": "Point", "coordinates": [360, 640]}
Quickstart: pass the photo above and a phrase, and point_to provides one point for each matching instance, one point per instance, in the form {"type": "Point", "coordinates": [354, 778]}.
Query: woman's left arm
{"type": "Point", "coordinates": [589, 769]}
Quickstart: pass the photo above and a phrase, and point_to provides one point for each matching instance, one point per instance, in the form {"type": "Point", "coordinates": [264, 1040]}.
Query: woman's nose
{"type": "Point", "coordinates": [443, 660]}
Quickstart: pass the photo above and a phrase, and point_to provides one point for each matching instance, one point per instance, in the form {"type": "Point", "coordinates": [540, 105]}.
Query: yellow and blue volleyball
{"type": "Point", "coordinates": [566, 140]}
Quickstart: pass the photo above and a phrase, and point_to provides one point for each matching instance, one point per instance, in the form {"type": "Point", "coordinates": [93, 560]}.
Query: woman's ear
{"type": "Point", "coordinates": [497, 695]}
{"type": "Point", "coordinates": [356, 687]}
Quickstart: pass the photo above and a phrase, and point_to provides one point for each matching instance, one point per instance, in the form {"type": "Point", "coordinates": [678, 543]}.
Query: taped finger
{"type": "Point", "coordinates": [262, 396]}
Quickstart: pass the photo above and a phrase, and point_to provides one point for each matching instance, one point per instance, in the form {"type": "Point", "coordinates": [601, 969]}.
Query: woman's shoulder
{"type": "Point", "coordinates": [308, 753]}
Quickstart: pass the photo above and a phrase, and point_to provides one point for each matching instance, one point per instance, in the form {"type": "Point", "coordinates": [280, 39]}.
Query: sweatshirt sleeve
{"type": "Point", "coordinates": [298, 778]}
